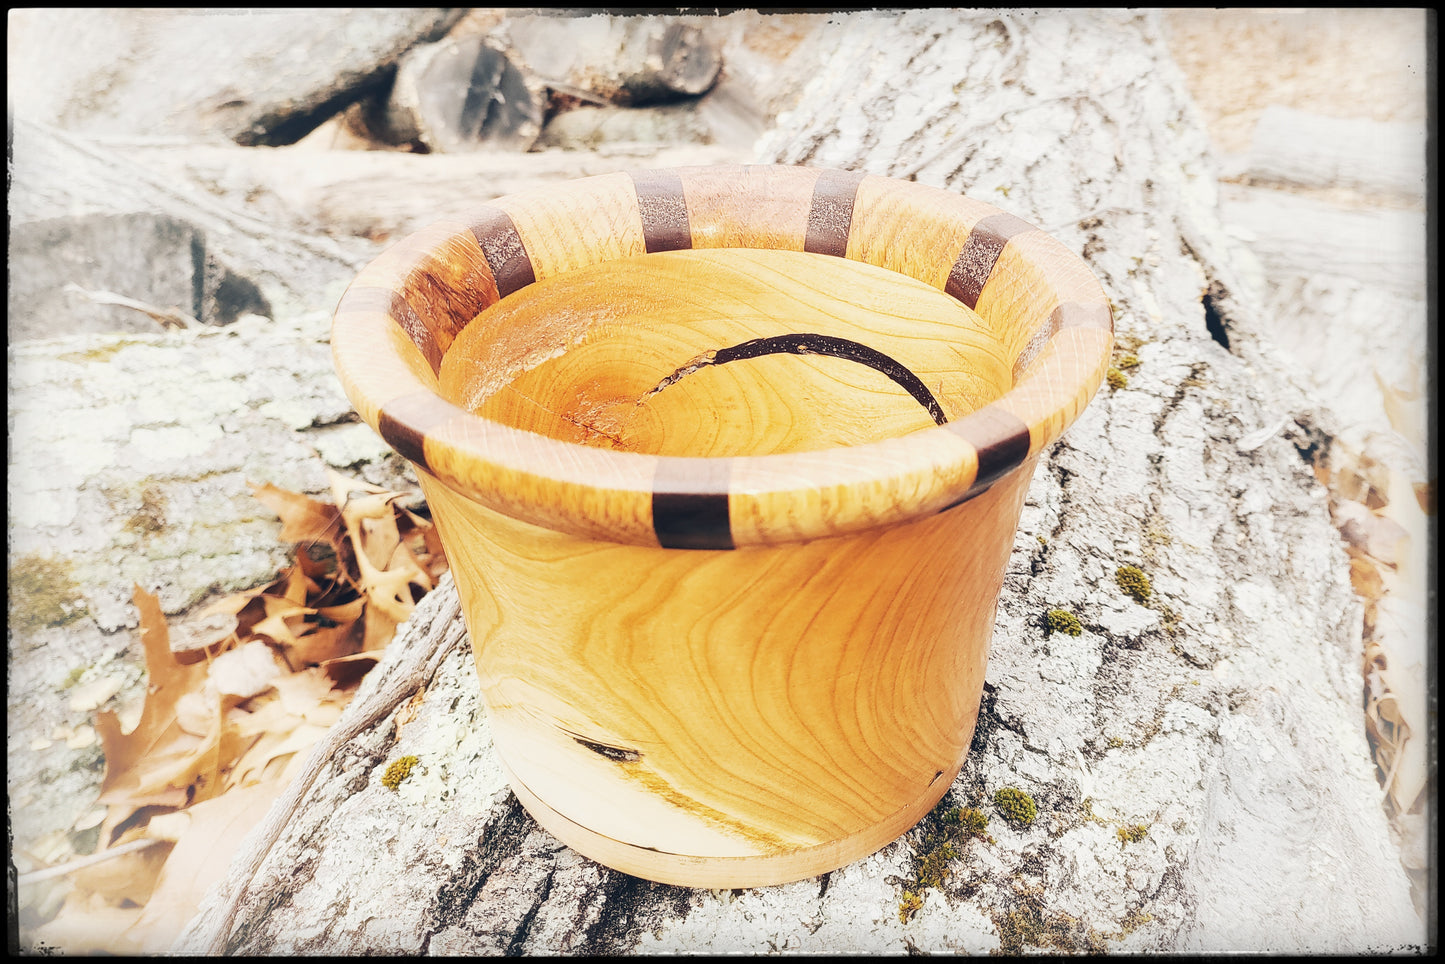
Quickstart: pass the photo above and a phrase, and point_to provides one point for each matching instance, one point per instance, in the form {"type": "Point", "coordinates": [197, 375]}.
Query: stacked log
{"type": "Point", "coordinates": [479, 90]}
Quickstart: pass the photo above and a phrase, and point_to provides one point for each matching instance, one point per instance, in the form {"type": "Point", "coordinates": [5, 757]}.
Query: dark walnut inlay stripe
{"type": "Point", "coordinates": [389, 302]}
{"type": "Point", "coordinates": [502, 247]}
{"type": "Point", "coordinates": [805, 343]}
{"type": "Point", "coordinates": [405, 422]}
{"type": "Point", "coordinates": [690, 504]}
{"type": "Point", "coordinates": [830, 218]}
{"type": "Point", "coordinates": [1001, 440]}
{"type": "Point", "coordinates": [660, 202]}
{"type": "Point", "coordinates": [980, 253]}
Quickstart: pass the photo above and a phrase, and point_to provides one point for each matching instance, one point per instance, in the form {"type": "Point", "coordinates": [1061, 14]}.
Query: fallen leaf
{"type": "Point", "coordinates": [258, 678]}
{"type": "Point", "coordinates": [379, 536]}
{"type": "Point", "coordinates": [268, 715]}
{"type": "Point", "coordinates": [231, 604]}
{"type": "Point", "coordinates": [298, 692]}
{"type": "Point", "coordinates": [88, 924]}
{"type": "Point", "coordinates": [380, 628]}
{"type": "Point", "coordinates": [245, 672]}
{"type": "Point", "coordinates": [322, 644]}
{"type": "Point", "coordinates": [302, 519]}
{"type": "Point", "coordinates": [194, 714]}
{"type": "Point", "coordinates": [129, 877]}
{"type": "Point", "coordinates": [1365, 578]}
{"type": "Point", "coordinates": [205, 636]}
{"type": "Point", "coordinates": [275, 625]}
{"type": "Point", "coordinates": [348, 670]}
{"type": "Point", "coordinates": [158, 733]}
{"type": "Point", "coordinates": [256, 763]}
{"type": "Point", "coordinates": [199, 859]}
{"type": "Point", "coordinates": [348, 612]}
{"type": "Point", "coordinates": [92, 819]}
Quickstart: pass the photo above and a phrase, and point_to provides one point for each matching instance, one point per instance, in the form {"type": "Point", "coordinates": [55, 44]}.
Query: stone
{"type": "Point", "coordinates": [66, 271]}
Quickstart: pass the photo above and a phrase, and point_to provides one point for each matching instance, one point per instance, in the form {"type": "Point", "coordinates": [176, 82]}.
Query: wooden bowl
{"type": "Point", "coordinates": [728, 463]}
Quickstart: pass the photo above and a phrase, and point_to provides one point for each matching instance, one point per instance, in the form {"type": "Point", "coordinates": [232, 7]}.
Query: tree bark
{"type": "Point", "coordinates": [1197, 759]}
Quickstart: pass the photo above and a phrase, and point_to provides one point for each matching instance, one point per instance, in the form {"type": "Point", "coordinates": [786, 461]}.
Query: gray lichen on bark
{"type": "Point", "coordinates": [1222, 714]}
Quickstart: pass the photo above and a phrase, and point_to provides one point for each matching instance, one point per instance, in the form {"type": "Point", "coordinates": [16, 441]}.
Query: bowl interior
{"type": "Point", "coordinates": [727, 352]}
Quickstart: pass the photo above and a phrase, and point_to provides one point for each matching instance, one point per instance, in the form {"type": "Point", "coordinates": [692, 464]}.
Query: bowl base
{"type": "Point", "coordinates": [731, 872]}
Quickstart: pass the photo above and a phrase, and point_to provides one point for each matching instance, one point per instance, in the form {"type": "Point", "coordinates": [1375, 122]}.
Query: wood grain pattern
{"type": "Point", "coordinates": [728, 463]}
{"type": "Point", "coordinates": [668, 716]}
{"type": "Point", "coordinates": [725, 352]}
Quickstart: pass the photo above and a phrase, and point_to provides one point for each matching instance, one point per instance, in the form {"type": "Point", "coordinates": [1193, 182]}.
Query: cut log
{"type": "Point", "coordinates": [625, 60]}
{"type": "Point", "coordinates": [1382, 247]}
{"type": "Point", "coordinates": [1296, 148]}
{"type": "Point", "coordinates": [303, 190]}
{"type": "Point", "coordinates": [460, 94]}
{"type": "Point", "coordinates": [1201, 779]}
{"type": "Point", "coordinates": [590, 128]}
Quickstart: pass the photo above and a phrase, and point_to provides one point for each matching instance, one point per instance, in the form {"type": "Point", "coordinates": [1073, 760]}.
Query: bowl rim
{"type": "Point", "coordinates": [395, 320]}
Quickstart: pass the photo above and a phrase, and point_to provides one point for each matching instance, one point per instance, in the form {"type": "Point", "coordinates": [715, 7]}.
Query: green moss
{"type": "Point", "coordinates": [973, 821]}
{"type": "Point", "coordinates": [1128, 344]}
{"type": "Point", "coordinates": [1116, 378]}
{"type": "Point", "coordinates": [1017, 807]}
{"type": "Point", "coordinates": [1062, 621]}
{"type": "Point", "coordinates": [1128, 361]}
{"type": "Point", "coordinates": [1031, 925]}
{"type": "Point", "coordinates": [42, 593]}
{"type": "Point", "coordinates": [909, 905]}
{"type": "Point", "coordinates": [72, 677]}
{"type": "Point", "coordinates": [399, 770]}
{"type": "Point", "coordinates": [1133, 921]}
{"type": "Point", "coordinates": [1173, 622]}
{"type": "Point", "coordinates": [941, 837]}
{"type": "Point", "coordinates": [932, 867]}
{"type": "Point", "coordinates": [1132, 580]}
{"type": "Point", "coordinates": [1133, 834]}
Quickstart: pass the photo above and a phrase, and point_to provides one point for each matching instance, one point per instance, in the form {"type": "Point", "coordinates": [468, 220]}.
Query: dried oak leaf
{"type": "Point", "coordinates": [130, 773]}
{"type": "Point", "coordinates": [303, 519]}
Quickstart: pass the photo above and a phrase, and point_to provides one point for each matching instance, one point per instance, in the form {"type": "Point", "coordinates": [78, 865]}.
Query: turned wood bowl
{"type": "Point", "coordinates": [728, 463]}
